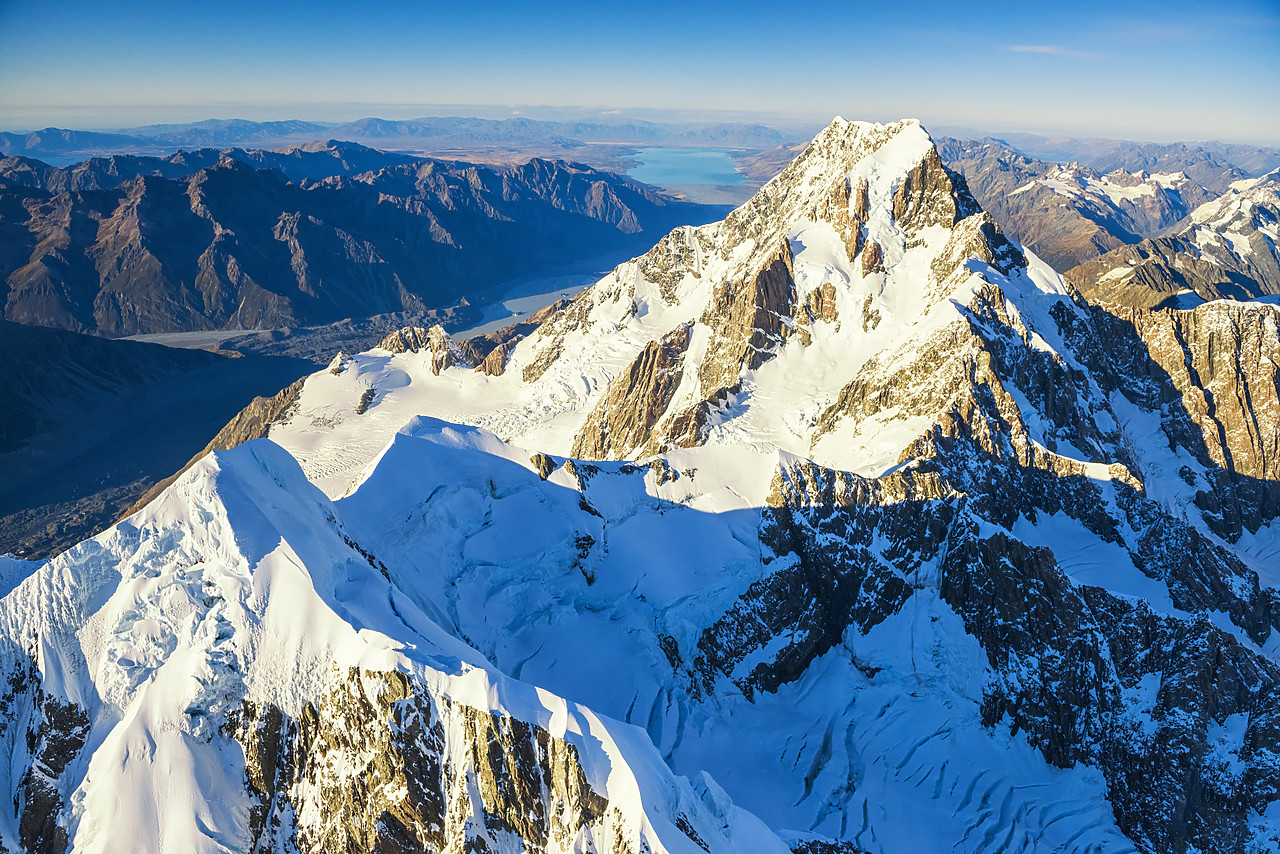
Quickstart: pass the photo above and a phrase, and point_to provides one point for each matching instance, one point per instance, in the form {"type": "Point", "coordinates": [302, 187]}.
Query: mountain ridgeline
{"type": "Point", "coordinates": [455, 133]}
{"type": "Point", "coordinates": [1227, 248]}
{"type": "Point", "coordinates": [1215, 165]}
{"type": "Point", "coordinates": [841, 525]}
{"type": "Point", "coordinates": [1071, 213]}
{"type": "Point", "coordinates": [250, 239]}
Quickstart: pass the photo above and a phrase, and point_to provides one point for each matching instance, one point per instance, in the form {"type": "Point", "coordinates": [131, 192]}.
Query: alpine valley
{"type": "Point", "coordinates": [844, 524]}
{"type": "Point", "coordinates": [235, 239]}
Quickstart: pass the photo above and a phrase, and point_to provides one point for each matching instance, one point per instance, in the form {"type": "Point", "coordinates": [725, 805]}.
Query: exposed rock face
{"type": "Point", "coordinates": [1092, 649]}
{"type": "Point", "coordinates": [51, 733]}
{"type": "Point", "coordinates": [495, 363]}
{"type": "Point", "coordinates": [1069, 214]}
{"type": "Point", "coordinates": [667, 262]}
{"type": "Point", "coordinates": [489, 352]}
{"type": "Point", "coordinates": [381, 765]}
{"type": "Point", "coordinates": [820, 305]}
{"type": "Point", "coordinates": [412, 339]}
{"type": "Point", "coordinates": [1212, 374]}
{"type": "Point", "coordinates": [626, 414]}
{"type": "Point", "coordinates": [258, 240]}
{"type": "Point", "coordinates": [1088, 678]}
{"type": "Point", "coordinates": [1226, 249]}
{"type": "Point", "coordinates": [872, 259]}
{"type": "Point", "coordinates": [930, 194]}
{"type": "Point", "coordinates": [566, 317]}
{"type": "Point", "coordinates": [544, 465]}
{"type": "Point", "coordinates": [753, 304]}
{"type": "Point", "coordinates": [746, 321]}
{"type": "Point", "coordinates": [821, 578]}
{"type": "Point", "coordinates": [1067, 660]}
{"type": "Point", "coordinates": [861, 203]}
{"type": "Point", "coordinates": [409, 339]}
{"type": "Point", "coordinates": [977, 237]}
{"type": "Point", "coordinates": [1155, 273]}
{"type": "Point", "coordinates": [844, 216]}
{"type": "Point", "coordinates": [1088, 648]}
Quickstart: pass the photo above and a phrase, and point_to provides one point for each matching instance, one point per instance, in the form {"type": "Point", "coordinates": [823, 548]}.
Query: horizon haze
{"type": "Point", "coordinates": [1160, 72]}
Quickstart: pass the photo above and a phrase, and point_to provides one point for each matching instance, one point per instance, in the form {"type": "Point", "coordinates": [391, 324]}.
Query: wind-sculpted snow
{"type": "Point", "coordinates": [230, 669]}
{"type": "Point", "coordinates": [962, 437]}
{"type": "Point", "coordinates": [622, 555]}
{"type": "Point", "coordinates": [885, 551]}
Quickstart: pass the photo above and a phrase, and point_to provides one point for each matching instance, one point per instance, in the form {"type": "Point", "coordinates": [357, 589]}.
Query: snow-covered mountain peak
{"type": "Point", "coordinates": [852, 172]}
{"type": "Point", "coordinates": [865, 244]}
{"type": "Point", "coordinates": [232, 669]}
{"type": "Point", "coordinates": [1239, 205]}
{"type": "Point", "coordinates": [846, 502]}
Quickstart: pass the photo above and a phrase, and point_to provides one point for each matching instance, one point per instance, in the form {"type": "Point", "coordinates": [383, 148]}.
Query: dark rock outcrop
{"type": "Point", "coordinates": [413, 339]}
{"type": "Point", "coordinates": [821, 576]}
{"type": "Point", "coordinates": [626, 414]}
{"type": "Point", "coordinates": [380, 764]}
{"type": "Point", "coordinates": [1090, 650]}
{"type": "Point", "coordinates": [746, 321]}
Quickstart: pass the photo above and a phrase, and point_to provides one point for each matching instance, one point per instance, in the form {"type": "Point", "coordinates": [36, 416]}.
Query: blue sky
{"type": "Point", "coordinates": [1171, 70]}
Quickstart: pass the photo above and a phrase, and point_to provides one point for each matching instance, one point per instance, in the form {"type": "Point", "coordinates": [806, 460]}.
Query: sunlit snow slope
{"type": "Point", "coordinates": [861, 313]}
{"type": "Point", "coordinates": [841, 525]}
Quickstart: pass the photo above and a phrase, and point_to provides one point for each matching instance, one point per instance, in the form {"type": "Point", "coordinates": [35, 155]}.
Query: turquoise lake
{"type": "Point", "coordinates": [667, 166]}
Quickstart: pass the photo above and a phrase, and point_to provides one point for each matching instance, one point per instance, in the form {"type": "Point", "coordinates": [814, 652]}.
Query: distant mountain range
{"type": "Point", "coordinates": [1070, 213]}
{"type": "Point", "coordinates": [841, 525]}
{"type": "Point", "coordinates": [63, 147]}
{"type": "Point", "coordinates": [1226, 248]}
{"type": "Point", "coordinates": [216, 239]}
{"type": "Point", "coordinates": [1212, 164]}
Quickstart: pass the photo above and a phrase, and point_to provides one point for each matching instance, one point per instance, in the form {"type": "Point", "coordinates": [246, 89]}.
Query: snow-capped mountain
{"type": "Point", "coordinates": [1069, 213]}
{"type": "Point", "coordinates": [1227, 248]}
{"type": "Point", "coordinates": [841, 525]}
{"type": "Point", "coordinates": [229, 670]}
{"type": "Point", "coordinates": [1147, 202]}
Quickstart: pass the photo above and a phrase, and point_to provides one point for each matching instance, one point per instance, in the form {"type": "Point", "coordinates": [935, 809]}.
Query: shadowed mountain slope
{"type": "Point", "coordinates": [255, 240]}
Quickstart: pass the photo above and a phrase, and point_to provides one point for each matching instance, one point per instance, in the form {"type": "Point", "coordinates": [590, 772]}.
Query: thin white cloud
{"type": "Point", "coordinates": [1051, 49]}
